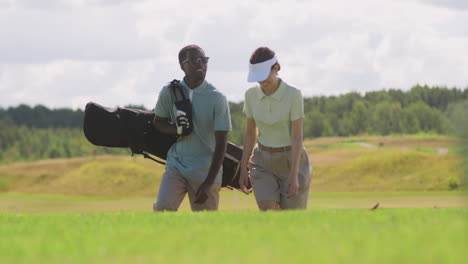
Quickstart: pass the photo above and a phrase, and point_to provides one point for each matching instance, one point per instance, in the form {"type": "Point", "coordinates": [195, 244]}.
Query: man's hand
{"type": "Point", "coordinates": [293, 186]}
{"type": "Point", "coordinates": [202, 193]}
{"type": "Point", "coordinates": [182, 122]}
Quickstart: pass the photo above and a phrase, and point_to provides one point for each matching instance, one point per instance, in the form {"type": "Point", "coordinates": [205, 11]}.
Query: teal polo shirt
{"type": "Point", "coordinates": [191, 155]}
{"type": "Point", "coordinates": [274, 113]}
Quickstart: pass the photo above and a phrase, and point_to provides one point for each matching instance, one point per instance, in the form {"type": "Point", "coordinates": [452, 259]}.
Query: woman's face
{"type": "Point", "coordinates": [270, 81]}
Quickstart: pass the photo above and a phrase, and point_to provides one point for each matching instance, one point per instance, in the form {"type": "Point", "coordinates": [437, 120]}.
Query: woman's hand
{"type": "Point", "coordinates": [250, 137]}
{"type": "Point", "coordinates": [244, 180]}
{"type": "Point", "coordinates": [293, 185]}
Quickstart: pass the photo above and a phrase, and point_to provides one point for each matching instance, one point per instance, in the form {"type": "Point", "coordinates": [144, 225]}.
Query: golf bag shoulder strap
{"type": "Point", "coordinates": [183, 107]}
{"type": "Point", "coordinates": [177, 88]}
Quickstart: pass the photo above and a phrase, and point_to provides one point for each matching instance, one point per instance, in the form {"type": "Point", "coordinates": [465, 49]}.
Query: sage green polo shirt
{"type": "Point", "coordinates": [191, 155]}
{"type": "Point", "coordinates": [273, 113]}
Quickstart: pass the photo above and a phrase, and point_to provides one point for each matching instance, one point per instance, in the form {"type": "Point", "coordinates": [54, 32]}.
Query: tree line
{"type": "Point", "coordinates": [422, 109]}
{"type": "Point", "coordinates": [30, 133]}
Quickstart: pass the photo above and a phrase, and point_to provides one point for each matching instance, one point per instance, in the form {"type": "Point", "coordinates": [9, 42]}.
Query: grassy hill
{"type": "Point", "coordinates": [339, 164]}
{"type": "Point", "coordinates": [386, 163]}
{"type": "Point", "coordinates": [95, 176]}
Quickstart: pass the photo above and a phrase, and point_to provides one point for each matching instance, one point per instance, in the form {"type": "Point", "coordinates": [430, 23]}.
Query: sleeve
{"type": "Point", "coordinates": [222, 116]}
{"type": "Point", "coordinates": [247, 108]}
{"type": "Point", "coordinates": [163, 105]}
{"type": "Point", "coordinates": [297, 106]}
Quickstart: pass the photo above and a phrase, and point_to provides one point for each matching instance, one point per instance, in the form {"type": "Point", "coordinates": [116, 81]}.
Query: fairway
{"type": "Point", "coordinates": [313, 236]}
{"type": "Point", "coordinates": [99, 210]}
{"type": "Point", "coordinates": [229, 201]}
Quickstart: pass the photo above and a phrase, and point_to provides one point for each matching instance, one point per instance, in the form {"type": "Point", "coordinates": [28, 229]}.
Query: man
{"type": "Point", "coordinates": [194, 162]}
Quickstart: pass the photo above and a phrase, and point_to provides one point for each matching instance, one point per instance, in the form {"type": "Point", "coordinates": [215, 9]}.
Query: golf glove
{"type": "Point", "coordinates": [182, 123]}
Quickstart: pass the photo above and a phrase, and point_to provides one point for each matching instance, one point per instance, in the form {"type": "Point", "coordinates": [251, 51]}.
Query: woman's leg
{"type": "Point", "coordinates": [304, 176]}
{"type": "Point", "coordinates": [265, 184]}
{"type": "Point", "coordinates": [268, 205]}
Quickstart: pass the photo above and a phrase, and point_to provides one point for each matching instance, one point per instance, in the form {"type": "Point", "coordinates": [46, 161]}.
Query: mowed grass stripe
{"type": "Point", "coordinates": [229, 201]}
{"type": "Point", "coordinates": [314, 236]}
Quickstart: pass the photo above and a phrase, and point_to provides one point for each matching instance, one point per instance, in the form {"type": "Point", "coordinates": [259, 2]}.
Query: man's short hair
{"type": "Point", "coordinates": [184, 52]}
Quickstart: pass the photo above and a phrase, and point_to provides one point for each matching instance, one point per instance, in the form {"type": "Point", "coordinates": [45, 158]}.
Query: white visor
{"type": "Point", "coordinates": [259, 71]}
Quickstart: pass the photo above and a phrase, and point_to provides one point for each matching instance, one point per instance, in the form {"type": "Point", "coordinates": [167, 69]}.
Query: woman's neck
{"type": "Point", "coordinates": [271, 89]}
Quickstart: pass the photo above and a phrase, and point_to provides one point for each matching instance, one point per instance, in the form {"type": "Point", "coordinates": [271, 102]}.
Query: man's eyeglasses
{"type": "Point", "coordinates": [194, 61]}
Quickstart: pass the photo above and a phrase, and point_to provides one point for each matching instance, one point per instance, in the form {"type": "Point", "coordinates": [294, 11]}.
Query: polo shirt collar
{"type": "Point", "coordinates": [203, 87]}
{"type": "Point", "coordinates": [277, 95]}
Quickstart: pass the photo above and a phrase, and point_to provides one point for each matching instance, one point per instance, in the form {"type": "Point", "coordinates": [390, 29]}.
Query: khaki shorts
{"type": "Point", "coordinates": [173, 189]}
{"type": "Point", "coordinates": [270, 175]}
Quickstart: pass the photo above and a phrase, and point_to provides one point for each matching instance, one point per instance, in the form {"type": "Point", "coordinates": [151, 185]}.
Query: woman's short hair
{"type": "Point", "coordinates": [263, 54]}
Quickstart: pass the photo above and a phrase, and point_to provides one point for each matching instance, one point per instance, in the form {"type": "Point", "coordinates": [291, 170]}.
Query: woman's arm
{"type": "Point", "coordinates": [296, 150]}
{"type": "Point", "coordinates": [250, 138]}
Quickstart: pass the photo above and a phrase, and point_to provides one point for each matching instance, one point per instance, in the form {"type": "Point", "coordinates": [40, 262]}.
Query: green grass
{"type": "Point", "coordinates": [339, 164]}
{"type": "Point", "coordinates": [456, 149]}
{"type": "Point", "coordinates": [427, 150]}
{"type": "Point", "coordinates": [4, 183]}
{"type": "Point", "coordinates": [94, 176]}
{"type": "Point", "coordinates": [343, 144]}
{"type": "Point", "coordinates": [389, 169]}
{"type": "Point", "coordinates": [314, 236]}
{"type": "Point", "coordinates": [98, 210]}
{"type": "Point", "coordinates": [427, 136]}
{"type": "Point", "coordinates": [229, 201]}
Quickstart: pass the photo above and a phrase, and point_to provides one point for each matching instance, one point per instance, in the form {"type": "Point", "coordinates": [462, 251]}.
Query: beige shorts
{"type": "Point", "coordinates": [270, 175]}
{"type": "Point", "coordinates": [173, 189]}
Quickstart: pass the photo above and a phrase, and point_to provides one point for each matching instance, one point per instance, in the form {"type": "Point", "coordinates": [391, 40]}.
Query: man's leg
{"type": "Point", "coordinates": [172, 191]}
{"type": "Point", "coordinates": [211, 203]}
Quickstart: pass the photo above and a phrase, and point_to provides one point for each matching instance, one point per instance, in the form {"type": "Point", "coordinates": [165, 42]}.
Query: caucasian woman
{"type": "Point", "coordinates": [279, 171]}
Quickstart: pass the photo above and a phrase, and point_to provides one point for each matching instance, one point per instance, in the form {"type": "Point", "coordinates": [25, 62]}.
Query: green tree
{"type": "Point", "coordinates": [458, 115]}
{"type": "Point", "coordinates": [359, 117]}
{"type": "Point", "coordinates": [429, 119]}
{"type": "Point", "coordinates": [315, 124]}
{"type": "Point", "coordinates": [386, 118]}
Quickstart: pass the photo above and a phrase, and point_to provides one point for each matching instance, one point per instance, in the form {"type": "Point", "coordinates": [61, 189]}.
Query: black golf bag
{"type": "Point", "coordinates": [133, 128]}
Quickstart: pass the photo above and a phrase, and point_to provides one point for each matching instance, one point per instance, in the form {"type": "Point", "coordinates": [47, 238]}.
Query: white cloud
{"type": "Point", "coordinates": [40, 35]}
{"type": "Point", "coordinates": [453, 4]}
{"type": "Point", "coordinates": [74, 83]}
{"type": "Point", "coordinates": [122, 52]}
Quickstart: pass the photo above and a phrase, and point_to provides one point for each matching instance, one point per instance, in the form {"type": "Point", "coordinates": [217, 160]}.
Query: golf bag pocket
{"type": "Point", "coordinates": [183, 107]}
{"type": "Point", "coordinates": [125, 128]}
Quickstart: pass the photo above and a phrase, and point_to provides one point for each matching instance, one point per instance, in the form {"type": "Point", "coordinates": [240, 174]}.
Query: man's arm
{"type": "Point", "coordinates": [216, 163]}
{"type": "Point", "coordinates": [163, 113]}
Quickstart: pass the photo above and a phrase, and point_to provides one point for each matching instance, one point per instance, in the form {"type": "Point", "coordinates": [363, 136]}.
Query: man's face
{"type": "Point", "coordinates": [193, 65]}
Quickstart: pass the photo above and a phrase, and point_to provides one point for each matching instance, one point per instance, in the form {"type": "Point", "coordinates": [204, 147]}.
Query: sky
{"type": "Point", "coordinates": [65, 53]}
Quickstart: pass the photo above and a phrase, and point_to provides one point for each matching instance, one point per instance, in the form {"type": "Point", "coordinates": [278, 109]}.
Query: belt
{"type": "Point", "coordinates": [271, 149]}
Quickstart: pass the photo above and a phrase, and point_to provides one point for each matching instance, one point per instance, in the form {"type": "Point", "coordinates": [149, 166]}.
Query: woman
{"type": "Point", "coordinates": [279, 171]}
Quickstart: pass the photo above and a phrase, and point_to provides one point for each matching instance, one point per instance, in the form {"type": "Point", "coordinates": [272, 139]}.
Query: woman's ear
{"type": "Point", "coordinates": [276, 68]}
